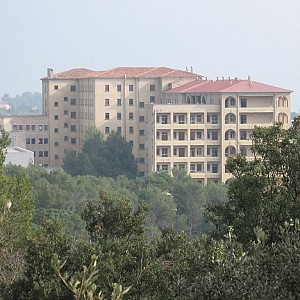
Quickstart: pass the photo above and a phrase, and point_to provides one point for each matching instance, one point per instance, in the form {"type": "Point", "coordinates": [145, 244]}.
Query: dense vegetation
{"type": "Point", "coordinates": [164, 237]}
{"type": "Point", "coordinates": [111, 157]}
{"type": "Point", "coordinates": [26, 104]}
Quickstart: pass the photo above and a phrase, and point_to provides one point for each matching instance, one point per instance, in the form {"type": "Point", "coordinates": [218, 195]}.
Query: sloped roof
{"type": "Point", "coordinates": [121, 72]}
{"type": "Point", "coordinates": [228, 85]}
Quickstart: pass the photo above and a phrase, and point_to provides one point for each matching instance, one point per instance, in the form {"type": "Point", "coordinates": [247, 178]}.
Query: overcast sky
{"type": "Point", "coordinates": [232, 38]}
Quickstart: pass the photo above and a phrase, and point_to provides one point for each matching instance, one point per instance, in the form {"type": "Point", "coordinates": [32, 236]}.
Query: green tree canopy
{"type": "Point", "coordinates": [111, 157]}
{"type": "Point", "coordinates": [265, 191]}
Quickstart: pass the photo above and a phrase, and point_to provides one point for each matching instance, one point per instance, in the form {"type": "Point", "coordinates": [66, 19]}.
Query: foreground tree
{"type": "Point", "coordinates": [16, 212]}
{"type": "Point", "coordinates": [110, 158]}
{"type": "Point", "coordinates": [265, 191]}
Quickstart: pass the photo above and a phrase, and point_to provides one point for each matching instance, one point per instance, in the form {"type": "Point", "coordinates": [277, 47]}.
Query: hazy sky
{"type": "Point", "coordinates": [260, 38]}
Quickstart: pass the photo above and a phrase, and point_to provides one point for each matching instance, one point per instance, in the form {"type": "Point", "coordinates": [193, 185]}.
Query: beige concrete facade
{"type": "Point", "coordinates": [31, 133]}
{"type": "Point", "coordinates": [109, 102]}
{"type": "Point", "coordinates": [199, 136]}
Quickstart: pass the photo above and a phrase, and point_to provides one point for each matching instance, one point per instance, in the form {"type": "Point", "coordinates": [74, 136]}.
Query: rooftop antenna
{"type": "Point", "coordinates": [217, 78]}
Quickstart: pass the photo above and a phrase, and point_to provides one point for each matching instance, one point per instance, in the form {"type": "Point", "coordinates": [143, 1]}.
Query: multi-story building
{"type": "Point", "coordinates": [199, 124]}
{"type": "Point", "coordinates": [112, 100]}
{"type": "Point", "coordinates": [31, 133]}
{"type": "Point", "coordinates": [172, 118]}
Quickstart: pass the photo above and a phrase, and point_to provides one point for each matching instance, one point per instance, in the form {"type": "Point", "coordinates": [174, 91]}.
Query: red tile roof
{"type": "Point", "coordinates": [233, 85]}
{"type": "Point", "coordinates": [129, 72]}
{"type": "Point", "coordinates": [73, 74]}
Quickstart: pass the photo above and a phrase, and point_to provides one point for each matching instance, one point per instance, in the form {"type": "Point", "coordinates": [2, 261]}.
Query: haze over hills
{"type": "Point", "coordinates": [27, 104]}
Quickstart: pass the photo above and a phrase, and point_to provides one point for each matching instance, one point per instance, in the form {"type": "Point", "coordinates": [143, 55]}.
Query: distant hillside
{"type": "Point", "coordinates": [26, 104]}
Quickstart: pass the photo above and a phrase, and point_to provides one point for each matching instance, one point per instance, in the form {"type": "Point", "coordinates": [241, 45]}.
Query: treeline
{"type": "Point", "coordinates": [27, 103]}
{"type": "Point", "coordinates": [86, 237]}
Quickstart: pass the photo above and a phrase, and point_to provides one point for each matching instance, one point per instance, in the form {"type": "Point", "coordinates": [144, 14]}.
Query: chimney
{"type": "Point", "coordinates": [50, 72]}
{"type": "Point", "coordinates": [191, 69]}
{"type": "Point", "coordinates": [186, 69]}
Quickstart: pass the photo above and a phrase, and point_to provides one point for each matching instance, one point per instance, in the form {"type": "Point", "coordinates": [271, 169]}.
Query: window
{"type": "Point", "coordinates": [130, 102]}
{"type": "Point", "coordinates": [27, 127]}
{"type": "Point", "coordinates": [130, 116]}
{"type": "Point", "coordinates": [152, 87]}
{"type": "Point", "coordinates": [192, 152]}
{"type": "Point", "coordinates": [27, 141]}
{"type": "Point", "coordinates": [175, 151]}
{"type": "Point", "coordinates": [165, 168]}
{"type": "Point", "coordinates": [119, 129]}
{"type": "Point", "coordinates": [106, 88]}
{"type": "Point", "coordinates": [55, 117]}
{"type": "Point", "coordinates": [73, 115]}
{"type": "Point", "coordinates": [40, 141]}
{"type": "Point", "coordinates": [164, 152]}
{"type": "Point", "coordinates": [66, 125]}
{"type": "Point", "coordinates": [214, 168]}
{"type": "Point", "coordinates": [157, 151]}
{"type": "Point", "coordinates": [181, 152]}
{"type": "Point", "coordinates": [33, 127]}
{"type": "Point", "coordinates": [141, 104]}
{"type": "Point", "coordinates": [130, 129]}
{"type": "Point", "coordinates": [33, 141]}
{"type": "Point", "coordinates": [56, 144]}
{"type": "Point", "coordinates": [157, 135]}
{"type": "Point", "coordinates": [106, 116]}
{"type": "Point", "coordinates": [142, 146]}
{"type": "Point", "coordinates": [164, 136]}
{"type": "Point", "coordinates": [181, 119]}
{"type": "Point", "coordinates": [208, 167]}
{"type": "Point", "coordinates": [131, 143]}
{"type": "Point", "coordinates": [243, 102]}
{"type": "Point", "coordinates": [142, 160]}
{"type": "Point", "coordinates": [152, 99]}
{"type": "Point", "coordinates": [56, 87]}
{"type": "Point", "coordinates": [142, 119]}
{"type": "Point", "coordinates": [73, 101]}
{"type": "Point", "coordinates": [142, 132]}
{"type": "Point", "coordinates": [106, 130]}
{"type": "Point", "coordinates": [65, 99]}
{"type": "Point", "coordinates": [214, 152]}
{"type": "Point", "coordinates": [192, 119]}
{"type": "Point", "coordinates": [199, 135]}
{"type": "Point", "coordinates": [66, 112]}
{"type": "Point", "coordinates": [243, 151]}
{"type": "Point", "coordinates": [214, 119]}
{"type": "Point", "coordinates": [41, 153]}
{"type": "Point", "coordinates": [212, 135]}
{"type": "Point", "coordinates": [46, 154]}
{"type": "Point", "coordinates": [56, 104]}
{"type": "Point", "coordinates": [66, 138]}
{"type": "Point", "coordinates": [73, 128]}
{"type": "Point", "coordinates": [21, 127]}
{"type": "Point", "coordinates": [73, 141]}
{"type": "Point", "coordinates": [192, 168]}
{"type": "Point", "coordinates": [119, 88]}
{"type": "Point", "coordinates": [130, 87]}
{"type": "Point", "coordinates": [45, 127]}
{"type": "Point", "coordinates": [243, 135]}
{"type": "Point", "coordinates": [181, 136]}
{"type": "Point", "coordinates": [199, 151]}
{"type": "Point", "coordinates": [164, 119]}
{"type": "Point", "coordinates": [106, 102]}
{"type": "Point", "coordinates": [119, 116]}
{"type": "Point", "coordinates": [174, 118]}
{"type": "Point", "coordinates": [56, 156]}
{"type": "Point", "coordinates": [46, 141]}
{"type": "Point", "coordinates": [243, 119]}
{"type": "Point", "coordinates": [208, 151]}
{"type": "Point", "coordinates": [73, 88]}
{"type": "Point", "coordinates": [199, 167]}
{"type": "Point", "coordinates": [55, 130]}
{"type": "Point", "coordinates": [119, 102]}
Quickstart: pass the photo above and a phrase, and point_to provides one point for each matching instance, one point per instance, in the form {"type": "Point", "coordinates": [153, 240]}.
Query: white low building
{"type": "Point", "coordinates": [19, 156]}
